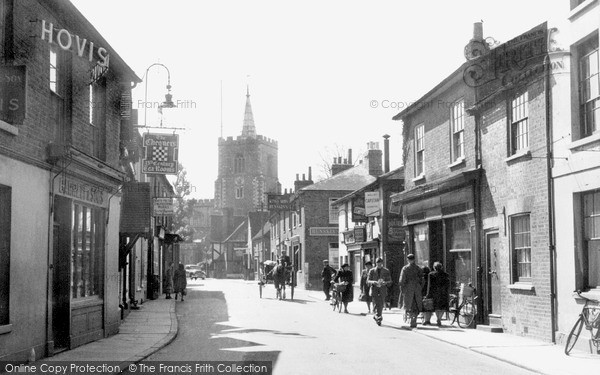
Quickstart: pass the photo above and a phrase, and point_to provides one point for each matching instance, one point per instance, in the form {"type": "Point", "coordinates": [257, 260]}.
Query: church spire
{"type": "Point", "coordinates": [249, 130]}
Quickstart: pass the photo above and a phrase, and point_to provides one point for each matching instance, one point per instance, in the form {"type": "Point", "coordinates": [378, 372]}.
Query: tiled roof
{"type": "Point", "coordinates": [350, 179]}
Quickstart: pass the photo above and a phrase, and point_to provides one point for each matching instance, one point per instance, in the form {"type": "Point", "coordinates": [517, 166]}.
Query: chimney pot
{"type": "Point", "coordinates": [478, 31]}
{"type": "Point", "coordinates": [349, 156]}
{"type": "Point", "coordinates": [297, 176]}
{"type": "Point", "coordinates": [303, 177]}
{"type": "Point", "coordinates": [310, 173]}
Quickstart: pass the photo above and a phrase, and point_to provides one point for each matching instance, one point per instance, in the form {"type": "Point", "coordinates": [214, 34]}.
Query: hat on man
{"type": "Point", "coordinates": [379, 260]}
{"type": "Point", "coordinates": [345, 265]}
{"type": "Point", "coordinates": [410, 256]}
{"type": "Point", "coordinates": [368, 263]}
{"type": "Point", "coordinates": [325, 261]}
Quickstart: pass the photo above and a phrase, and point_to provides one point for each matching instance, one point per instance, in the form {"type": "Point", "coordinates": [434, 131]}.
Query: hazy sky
{"type": "Point", "coordinates": [316, 69]}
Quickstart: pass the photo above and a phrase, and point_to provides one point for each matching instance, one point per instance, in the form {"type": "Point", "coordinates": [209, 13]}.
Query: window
{"type": "Point", "coordinates": [5, 215]}
{"type": "Point", "coordinates": [86, 251]}
{"type": "Point", "coordinates": [458, 129]}
{"type": "Point", "coordinates": [589, 87]}
{"type": "Point", "coordinates": [419, 150]}
{"type": "Point", "coordinates": [54, 69]}
{"type": "Point", "coordinates": [333, 212]}
{"type": "Point", "coordinates": [3, 28]}
{"type": "Point", "coordinates": [239, 192]}
{"type": "Point", "coordinates": [521, 248]}
{"type": "Point", "coordinates": [591, 240]}
{"type": "Point", "coordinates": [519, 123]}
{"type": "Point", "coordinates": [238, 164]}
{"type": "Point", "coordinates": [97, 103]}
{"type": "Point", "coordinates": [334, 258]}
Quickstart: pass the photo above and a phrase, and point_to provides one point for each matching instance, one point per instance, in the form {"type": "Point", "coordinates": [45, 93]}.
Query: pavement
{"type": "Point", "coordinates": [154, 325]}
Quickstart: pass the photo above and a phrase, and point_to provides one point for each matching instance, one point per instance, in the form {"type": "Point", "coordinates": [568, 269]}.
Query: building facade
{"type": "Point", "coordinates": [60, 174]}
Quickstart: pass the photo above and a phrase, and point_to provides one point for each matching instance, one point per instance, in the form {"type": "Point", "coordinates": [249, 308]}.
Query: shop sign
{"type": "Point", "coordinates": [12, 94]}
{"type": "Point", "coordinates": [358, 210]}
{"type": "Point", "coordinates": [74, 43]}
{"type": "Point", "coordinates": [277, 202]}
{"type": "Point", "coordinates": [396, 232]}
{"type": "Point", "coordinates": [82, 191]}
{"type": "Point", "coordinates": [163, 207]}
{"type": "Point", "coordinates": [136, 209]}
{"type": "Point", "coordinates": [160, 153]}
{"type": "Point", "coordinates": [359, 234]}
{"type": "Point", "coordinates": [372, 203]}
{"type": "Point", "coordinates": [323, 231]}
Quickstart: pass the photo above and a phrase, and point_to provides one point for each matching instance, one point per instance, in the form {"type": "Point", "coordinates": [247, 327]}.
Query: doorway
{"type": "Point", "coordinates": [61, 274]}
{"type": "Point", "coordinates": [493, 300]}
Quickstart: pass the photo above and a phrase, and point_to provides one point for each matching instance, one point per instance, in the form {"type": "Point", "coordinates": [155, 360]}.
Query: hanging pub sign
{"type": "Point", "coordinates": [160, 153]}
{"type": "Point", "coordinates": [163, 207]}
{"type": "Point", "coordinates": [358, 210]}
{"type": "Point", "coordinates": [277, 202]}
{"type": "Point", "coordinates": [12, 94]}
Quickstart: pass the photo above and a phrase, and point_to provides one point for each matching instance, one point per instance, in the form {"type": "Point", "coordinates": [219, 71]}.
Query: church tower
{"type": "Point", "coordinates": [247, 168]}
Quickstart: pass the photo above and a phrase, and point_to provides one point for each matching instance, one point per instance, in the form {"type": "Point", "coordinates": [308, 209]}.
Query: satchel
{"type": "Point", "coordinates": [184, 292]}
{"type": "Point", "coordinates": [428, 304]}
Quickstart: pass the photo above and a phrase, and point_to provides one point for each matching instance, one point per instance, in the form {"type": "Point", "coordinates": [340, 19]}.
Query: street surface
{"type": "Point", "coordinates": [225, 320]}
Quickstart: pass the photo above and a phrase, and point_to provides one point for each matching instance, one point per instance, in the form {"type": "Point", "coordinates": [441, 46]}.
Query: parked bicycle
{"type": "Point", "coordinates": [465, 311]}
{"type": "Point", "coordinates": [590, 317]}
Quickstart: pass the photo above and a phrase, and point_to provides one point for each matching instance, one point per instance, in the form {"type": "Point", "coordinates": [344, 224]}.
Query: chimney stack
{"type": "Point", "coordinates": [299, 184]}
{"type": "Point", "coordinates": [386, 153]}
{"type": "Point", "coordinates": [373, 159]}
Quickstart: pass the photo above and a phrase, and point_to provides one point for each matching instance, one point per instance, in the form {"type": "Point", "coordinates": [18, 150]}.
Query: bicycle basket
{"type": "Point", "coordinates": [466, 290]}
{"type": "Point", "coordinates": [593, 315]}
{"type": "Point", "coordinates": [341, 288]}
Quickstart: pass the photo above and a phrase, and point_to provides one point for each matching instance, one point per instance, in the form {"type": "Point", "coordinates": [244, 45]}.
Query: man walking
{"type": "Point", "coordinates": [411, 281]}
{"type": "Point", "coordinates": [379, 278]}
{"type": "Point", "coordinates": [326, 276]}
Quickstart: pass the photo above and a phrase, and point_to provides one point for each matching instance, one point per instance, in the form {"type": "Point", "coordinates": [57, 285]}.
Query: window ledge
{"type": "Point", "coordinates": [420, 177]}
{"type": "Point", "coordinates": [580, 8]}
{"type": "Point", "coordinates": [522, 286]}
{"type": "Point", "coordinates": [521, 154]}
{"type": "Point", "coordinates": [458, 162]}
{"type": "Point", "coordinates": [9, 128]}
{"type": "Point", "coordinates": [5, 329]}
{"type": "Point", "coordinates": [592, 293]}
{"type": "Point", "coordinates": [584, 141]}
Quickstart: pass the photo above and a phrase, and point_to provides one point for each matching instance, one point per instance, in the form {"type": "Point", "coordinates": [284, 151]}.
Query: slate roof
{"type": "Point", "coordinates": [351, 179]}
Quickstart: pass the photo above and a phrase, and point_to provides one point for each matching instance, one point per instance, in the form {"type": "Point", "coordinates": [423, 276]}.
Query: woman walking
{"type": "Point", "coordinates": [179, 281]}
{"type": "Point", "coordinates": [168, 285]}
{"type": "Point", "coordinates": [344, 276]}
{"type": "Point", "coordinates": [365, 289]}
{"type": "Point", "coordinates": [439, 290]}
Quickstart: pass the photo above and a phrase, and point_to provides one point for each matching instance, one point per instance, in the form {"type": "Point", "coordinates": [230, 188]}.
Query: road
{"type": "Point", "coordinates": [225, 320]}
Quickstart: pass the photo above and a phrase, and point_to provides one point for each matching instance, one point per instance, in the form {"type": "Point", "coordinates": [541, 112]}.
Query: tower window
{"type": "Point", "coordinates": [239, 164]}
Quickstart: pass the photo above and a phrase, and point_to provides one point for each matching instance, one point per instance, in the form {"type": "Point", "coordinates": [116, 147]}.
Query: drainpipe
{"type": "Point", "coordinates": [551, 208]}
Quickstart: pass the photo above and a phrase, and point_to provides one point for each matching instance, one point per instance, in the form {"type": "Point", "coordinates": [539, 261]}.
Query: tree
{"type": "Point", "coordinates": [335, 152]}
{"type": "Point", "coordinates": [182, 207]}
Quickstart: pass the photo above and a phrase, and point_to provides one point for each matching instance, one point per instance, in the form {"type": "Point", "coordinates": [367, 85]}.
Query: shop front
{"type": "Point", "coordinates": [361, 248]}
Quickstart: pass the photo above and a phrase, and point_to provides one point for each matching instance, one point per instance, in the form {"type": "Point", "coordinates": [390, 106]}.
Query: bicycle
{"type": "Point", "coordinates": [336, 296]}
{"type": "Point", "coordinates": [590, 317]}
{"type": "Point", "coordinates": [465, 312]}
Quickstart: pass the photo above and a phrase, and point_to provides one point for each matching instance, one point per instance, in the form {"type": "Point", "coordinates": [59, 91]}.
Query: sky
{"type": "Point", "coordinates": [323, 75]}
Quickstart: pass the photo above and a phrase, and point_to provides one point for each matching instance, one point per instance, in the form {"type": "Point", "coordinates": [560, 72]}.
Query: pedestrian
{"type": "Point", "coordinates": [344, 277]}
{"type": "Point", "coordinates": [326, 276]}
{"type": "Point", "coordinates": [439, 291]}
{"type": "Point", "coordinates": [179, 281]}
{"type": "Point", "coordinates": [379, 278]}
{"type": "Point", "coordinates": [365, 289]}
{"type": "Point", "coordinates": [411, 280]}
{"type": "Point", "coordinates": [426, 314]}
{"type": "Point", "coordinates": [169, 281]}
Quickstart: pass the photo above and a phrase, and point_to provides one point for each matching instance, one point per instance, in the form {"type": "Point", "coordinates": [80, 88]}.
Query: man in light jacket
{"type": "Point", "coordinates": [378, 279]}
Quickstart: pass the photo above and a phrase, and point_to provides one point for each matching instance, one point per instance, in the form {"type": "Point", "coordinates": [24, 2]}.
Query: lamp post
{"type": "Point", "coordinates": [168, 103]}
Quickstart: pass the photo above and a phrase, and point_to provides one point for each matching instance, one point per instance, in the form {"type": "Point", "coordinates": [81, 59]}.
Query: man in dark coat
{"type": "Point", "coordinates": [379, 278]}
{"type": "Point", "coordinates": [411, 281]}
{"type": "Point", "coordinates": [326, 276]}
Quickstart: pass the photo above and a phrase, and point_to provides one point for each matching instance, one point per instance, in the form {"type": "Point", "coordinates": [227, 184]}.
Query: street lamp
{"type": "Point", "coordinates": [168, 103]}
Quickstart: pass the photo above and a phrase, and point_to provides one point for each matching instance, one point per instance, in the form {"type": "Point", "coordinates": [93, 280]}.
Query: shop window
{"type": "Point", "coordinates": [421, 240]}
{"type": "Point", "coordinates": [4, 27]}
{"type": "Point", "coordinates": [458, 256]}
{"type": "Point", "coordinates": [521, 248]}
{"type": "Point", "coordinates": [419, 150]}
{"type": "Point", "coordinates": [5, 225]}
{"type": "Point", "coordinates": [333, 212]}
{"type": "Point", "coordinates": [86, 251]}
{"type": "Point", "coordinates": [590, 254]}
{"type": "Point", "coordinates": [519, 123]}
{"type": "Point", "coordinates": [589, 86]}
{"type": "Point", "coordinates": [239, 164]}
{"type": "Point", "coordinates": [458, 129]}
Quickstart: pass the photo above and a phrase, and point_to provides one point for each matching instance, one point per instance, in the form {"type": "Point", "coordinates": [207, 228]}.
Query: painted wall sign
{"type": "Point", "coordinates": [12, 94]}
{"type": "Point", "coordinates": [160, 153]}
{"type": "Point", "coordinates": [278, 202]}
{"type": "Point", "coordinates": [323, 231]}
{"type": "Point", "coordinates": [372, 203]}
{"type": "Point", "coordinates": [74, 43]}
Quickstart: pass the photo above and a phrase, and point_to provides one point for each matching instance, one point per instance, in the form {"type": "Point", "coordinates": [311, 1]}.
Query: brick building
{"type": "Point", "coordinates": [61, 168]}
{"type": "Point", "coordinates": [476, 195]}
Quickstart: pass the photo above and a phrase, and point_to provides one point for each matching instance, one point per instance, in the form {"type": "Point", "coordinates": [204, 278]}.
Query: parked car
{"type": "Point", "coordinates": [194, 272]}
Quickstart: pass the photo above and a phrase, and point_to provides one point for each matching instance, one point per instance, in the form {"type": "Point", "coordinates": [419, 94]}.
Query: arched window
{"type": "Point", "coordinates": [238, 164]}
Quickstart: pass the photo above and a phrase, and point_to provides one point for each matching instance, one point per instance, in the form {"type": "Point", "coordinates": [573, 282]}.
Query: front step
{"type": "Point", "coordinates": [490, 328]}
{"type": "Point", "coordinates": [495, 320]}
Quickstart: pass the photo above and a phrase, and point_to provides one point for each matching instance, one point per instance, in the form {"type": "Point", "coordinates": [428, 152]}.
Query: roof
{"type": "Point", "coordinates": [257, 221]}
{"type": "Point", "coordinates": [239, 233]}
{"type": "Point", "coordinates": [265, 231]}
{"type": "Point", "coordinates": [350, 179]}
{"type": "Point", "coordinates": [396, 174]}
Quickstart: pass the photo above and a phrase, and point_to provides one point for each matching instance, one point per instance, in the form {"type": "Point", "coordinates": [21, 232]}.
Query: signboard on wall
{"type": "Point", "coordinates": [160, 153]}
{"type": "Point", "coordinates": [12, 94]}
{"type": "Point", "coordinates": [276, 202]}
{"type": "Point", "coordinates": [323, 231]}
{"type": "Point", "coordinates": [163, 206]}
{"type": "Point", "coordinates": [372, 203]}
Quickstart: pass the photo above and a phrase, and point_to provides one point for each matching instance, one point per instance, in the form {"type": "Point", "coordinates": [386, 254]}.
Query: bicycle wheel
{"type": "Point", "coordinates": [466, 314]}
{"type": "Point", "coordinates": [574, 335]}
{"type": "Point", "coordinates": [260, 289]}
{"type": "Point", "coordinates": [339, 305]}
